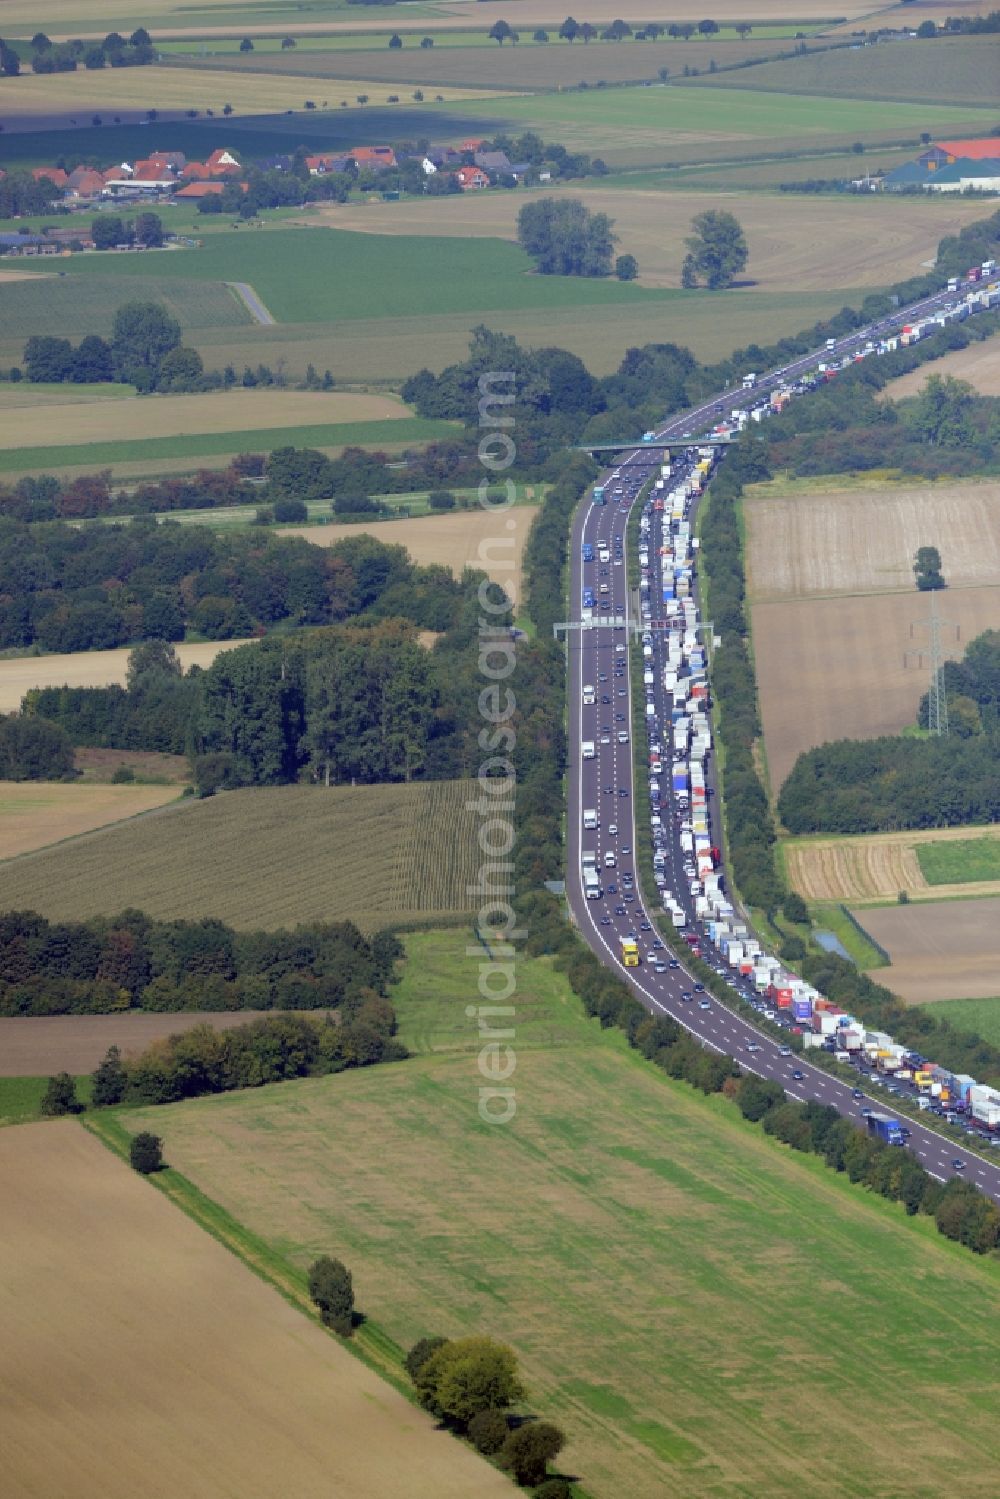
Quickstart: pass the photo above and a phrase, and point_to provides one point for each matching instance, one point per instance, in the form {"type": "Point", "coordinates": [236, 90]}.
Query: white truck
{"type": "Point", "coordinates": [590, 817]}
{"type": "Point", "coordinates": [588, 749]}
{"type": "Point", "coordinates": [589, 695]}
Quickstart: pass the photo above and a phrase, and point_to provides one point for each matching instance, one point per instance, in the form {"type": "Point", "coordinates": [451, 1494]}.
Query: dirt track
{"type": "Point", "coordinates": [143, 1361]}
{"type": "Point", "coordinates": [36, 1046]}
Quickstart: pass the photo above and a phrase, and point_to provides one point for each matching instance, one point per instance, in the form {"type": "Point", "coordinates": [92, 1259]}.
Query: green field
{"type": "Point", "coordinates": [959, 862]}
{"type": "Point", "coordinates": [979, 1015]}
{"type": "Point", "coordinates": [72, 305]}
{"type": "Point", "coordinates": [267, 857]}
{"type": "Point", "coordinates": [93, 455]}
{"type": "Point", "coordinates": [21, 1097]}
{"type": "Point", "coordinates": [953, 71]}
{"type": "Point", "coordinates": [703, 1312]}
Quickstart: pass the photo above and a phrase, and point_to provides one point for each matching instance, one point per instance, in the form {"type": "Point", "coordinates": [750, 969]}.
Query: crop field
{"type": "Point", "coordinates": [953, 71]}
{"type": "Point", "coordinates": [839, 668]}
{"type": "Point", "coordinates": [464, 538]}
{"type": "Point", "coordinates": [42, 1045]}
{"type": "Point", "coordinates": [28, 395]}
{"type": "Point", "coordinates": [174, 87]}
{"type": "Point", "coordinates": [948, 950]}
{"type": "Point", "coordinates": [36, 813]}
{"type": "Point", "coordinates": [72, 306]}
{"type": "Point", "coordinates": [979, 364]}
{"type": "Point", "coordinates": [982, 1016]}
{"type": "Point", "coordinates": [142, 1358]}
{"type": "Point", "coordinates": [929, 865]}
{"type": "Point", "coordinates": [710, 1234]}
{"type": "Point", "coordinates": [849, 243]}
{"type": "Point", "coordinates": [269, 857]}
{"type": "Point", "coordinates": [145, 417]}
{"type": "Point", "coordinates": [18, 674]}
{"type": "Point", "coordinates": [818, 539]}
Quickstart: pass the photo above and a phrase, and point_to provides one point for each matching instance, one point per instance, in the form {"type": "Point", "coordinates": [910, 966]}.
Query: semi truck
{"type": "Point", "coordinates": [886, 1128]}
{"type": "Point", "coordinates": [591, 884]}
{"type": "Point", "coordinates": [630, 952]}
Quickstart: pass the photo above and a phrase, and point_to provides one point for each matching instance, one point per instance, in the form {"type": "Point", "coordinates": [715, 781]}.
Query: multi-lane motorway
{"type": "Point", "coordinates": [600, 657]}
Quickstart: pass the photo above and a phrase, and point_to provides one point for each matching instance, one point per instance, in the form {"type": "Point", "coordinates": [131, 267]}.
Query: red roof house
{"type": "Point", "coordinates": [206, 189]}
{"type": "Point", "coordinates": [472, 179]}
{"type": "Point", "coordinates": [55, 175]}
{"type": "Point", "coordinates": [373, 156]}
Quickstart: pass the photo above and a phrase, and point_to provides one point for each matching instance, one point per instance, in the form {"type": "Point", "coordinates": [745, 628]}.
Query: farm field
{"type": "Point", "coordinates": [979, 1015]}
{"type": "Point", "coordinates": [979, 364]}
{"type": "Point", "coordinates": [148, 417]}
{"type": "Point", "coordinates": [877, 866]}
{"type": "Point", "coordinates": [72, 307]}
{"type": "Point", "coordinates": [269, 857]}
{"type": "Point", "coordinates": [833, 668]}
{"type": "Point", "coordinates": [18, 674]}
{"type": "Point", "coordinates": [174, 87]}
{"type": "Point", "coordinates": [463, 538]}
{"type": "Point", "coordinates": [821, 538]}
{"type": "Point", "coordinates": [27, 396]}
{"type": "Point", "coordinates": [952, 71]}
{"type": "Point", "coordinates": [141, 1354]}
{"type": "Point", "coordinates": [710, 1233]}
{"type": "Point", "coordinates": [949, 950]}
{"type": "Point", "coordinates": [41, 1045]}
{"type": "Point", "coordinates": [849, 243]}
{"type": "Point", "coordinates": [21, 1097]}
{"type": "Point", "coordinates": [36, 813]}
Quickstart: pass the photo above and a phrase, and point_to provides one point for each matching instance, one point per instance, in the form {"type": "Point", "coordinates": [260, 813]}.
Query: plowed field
{"type": "Point", "coordinates": [950, 950]}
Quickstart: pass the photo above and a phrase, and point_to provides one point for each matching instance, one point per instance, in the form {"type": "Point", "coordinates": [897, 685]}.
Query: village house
{"type": "Point", "coordinates": [472, 179]}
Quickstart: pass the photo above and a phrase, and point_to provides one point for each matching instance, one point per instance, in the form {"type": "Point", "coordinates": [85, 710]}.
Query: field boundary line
{"type": "Point", "coordinates": [245, 294]}
{"type": "Point", "coordinates": [862, 932]}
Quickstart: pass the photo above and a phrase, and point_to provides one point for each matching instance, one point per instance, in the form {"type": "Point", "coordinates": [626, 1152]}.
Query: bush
{"type": "Point", "coordinates": [466, 1376]}
{"type": "Point", "coordinates": [289, 511]}
{"type": "Point", "coordinates": [420, 1353]}
{"type": "Point", "coordinates": [60, 1097]}
{"type": "Point", "coordinates": [527, 1450]}
{"type": "Point", "coordinates": [441, 499]}
{"type": "Point", "coordinates": [795, 908]}
{"type": "Point", "coordinates": [488, 1431]}
{"type": "Point", "coordinates": [331, 1289]}
{"type": "Point", "coordinates": [793, 949]}
{"type": "Point", "coordinates": [145, 1153]}
{"type": "Point", "coordinates": [554, 1488]}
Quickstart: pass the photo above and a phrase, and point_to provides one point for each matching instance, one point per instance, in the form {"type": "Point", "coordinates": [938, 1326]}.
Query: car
{"type": "Point", "coordinates": [628, 897]}
{"type": "Point", "coordinates": [857, 1094]}
{"type": "Point", "coordinates": [613, 833]}
{"type": "Point", "coordinates": [609, 791]}
{"type": "Point", "coordinates": [605, 698]}
{"type": "Point", "coordinates": [619, 910]}
{"type": "Point", "coordinates": [957, 1164]}
{"type": "Point", "coordinates": [660, 967]}
{"type": "Point", "coordinates": [645, 927]}
{"type": "Point", "coordinates": [605, 738]}
{"type": "Point", "coordinates": [687, 994]}
{"type": "Point", "coordinates": [623, 791]}
{"type": "Point", "coordinates": [699, 988]}
{"type": "Point", "coordinates": [785, 1051]}
{"type": "Point", "coordinates": [798, 1074]}
{"type": "Point", "coordinates": [703, 1004]}
{"type": "Point", "coordinates": [602, 676]}
{"type": "Point", "coordinates": [626, 849]}
{"type": "Point", "coordinates": [673, 963]}
{"type": "Point", "coordinates": [612, 889]}
{"type": "Point", "coordinates": [619, 718]}
{"type": "Point", "coordinates": [658, 945]}
{"type": "Point", "coordinates": [605, 921]}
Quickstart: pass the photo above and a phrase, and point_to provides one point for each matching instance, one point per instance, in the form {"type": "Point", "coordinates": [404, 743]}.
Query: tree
{"type": "Point", "coordinates": [287, 42]}
{"type": "Point", "coordinates": [500, 31]}
{"type": "Point", "coordinates": [48, 359]}
{"type": "Point", "coordinates": [718, 248]}
{"type": "Point", "coordinates": [689, 275]}
{"type": "Point", "coordinates": [469, 1375]}
{"type": "Point", "coordinates": [540, 36]}
{"type": "Point", "coordinates": [588, 32]}
{"type": "Point", "coordinates": [569, 30]}
{"type": "Point", "coordinates": [708, 28]}
{"type": "Point", "coordinates": [427, 43]}
{"type": "Point", "coordinates": [145, 1153]}
{"type": "Point", "coordinates": [926, 31]}
{"type": "Point", "coordinates": [143, 333]}
{"type": "Point", "coordinates": [528, 1451]}
{"type": "Point", "coordinates": [92, 361]}
{"type": "Point", "coordinates": [140, 37]}
{"type": "Point", "coordinates": [40, 42]}
{"type": "Point", "coordinates": [626, 268]}
{"type": "Point", "coordinates": [108, 230]}
{"type": "Point", "coordinates": [795, 908]}
{"type": "Point", "coordinates": [858, 148]}
{"type": "Point", "coordinates": [10, 62]}
{"type": "Point", "coordinates": [742, 29]}
{"type": "Point", "coordinates": [246, 45]}
{"type": "Point", "coordinates": [395, 41]}
{"type": "Point", "coordinates": [565, 239]}
{"type": "Point", "coordinates": [109, 1080]}
{"type": "Point", "coordinates": [152, 659]}
{"type": "Point", "coordinates": [60, 1097]}
{"type": "Point", "coordinates": [148, 230]}
{"type": "Point", "coordinates": [441, 499]}
{"type": "Point", "coordinates": [927, 569]}
{"type": "Point", "coordinates": [941, 414]}
{"type": "Point", "coordinates": [488, 1431]}
{"type": "Point", "coordinates": [181, 369]}
{"type": "Point", "coordinates": [420, 1353]}
{"type": "Point", "coordinates": [330, 1287]}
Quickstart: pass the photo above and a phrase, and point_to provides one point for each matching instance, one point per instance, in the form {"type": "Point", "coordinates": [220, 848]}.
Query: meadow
{"type": "Point", "coordinates": [929, 865]}
{"type": "Point", "coordinates": [952, 71]}
{"type": "Point", "coordinates": [946, 950]}
{"type": "Point", "coordinates": [269, 857]}
{"type": "Point", "coordinates": [34, 814]}
{"type": "Point", "coordinates": [18, 674]}
{"type": "Point", "coordinates": [963, 861]}
{"type": "Point", "coordinates": [979, 1015]}
{"type": "Point", "coordinates": [142, 1358]}
{"type": "Point", "coordinates": [728, 1255]}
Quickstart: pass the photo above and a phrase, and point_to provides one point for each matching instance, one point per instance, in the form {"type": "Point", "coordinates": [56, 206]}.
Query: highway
{"type": "Point", "coordinates": [600, 657]}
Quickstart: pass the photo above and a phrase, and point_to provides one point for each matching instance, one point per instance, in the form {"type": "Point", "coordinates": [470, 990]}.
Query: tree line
{"type": "Point", "coordinates": [145, 349]}
{"type": "Point", "coordinates": [131, 961]}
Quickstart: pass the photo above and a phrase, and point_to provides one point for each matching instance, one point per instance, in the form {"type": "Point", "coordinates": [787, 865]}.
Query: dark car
{"type": "Point", "coordinates": [687, 994]}
{"type": "Point", "coordinates": [699, 988]}
{"type": "Point", "coordinates": [605, 698]}
{"type": "Point", "coordinates": [623, 791]}
{"type": "Point", "coordinates": [958, 1165]}
{"type": "Point", "coordinates": [605, 921]}
{"type": "Point", "coordinates": [673, 963]}
{"type": "Point", "coordinates": [619, 910]}
{"type": "Point", "coordinates": [857, 1094]}
{"type": "Point", "coordinates": [612, 889]}
{"type": "Point", "coordinates": [798, 1075]}
{"type": "Point", "coordinates": [645, 927]}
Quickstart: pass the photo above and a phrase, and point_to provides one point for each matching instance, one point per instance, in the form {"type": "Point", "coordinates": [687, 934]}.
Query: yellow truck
{"type": "Point", "coordinates": [630, 952]}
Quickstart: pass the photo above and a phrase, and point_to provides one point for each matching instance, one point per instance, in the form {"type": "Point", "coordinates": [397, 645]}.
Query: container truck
{"type": "Point", "coordinates": [630, 952]}
{"type": "Point", "coordinates": [886, 1128]}
{"type": "Point", "coordinates": [591, 884]}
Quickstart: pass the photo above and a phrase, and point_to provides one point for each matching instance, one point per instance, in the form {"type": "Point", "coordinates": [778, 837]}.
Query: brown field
{"type": "Point", "coordinates": [140, 1357]}
{"type": "Point", "coordinates": [87, 669]}
{"type": "Point", "coordinates": [465, 538]}
{"type": "Point", "coordinates": [808, 541]}
{"type": "Point", "coordinates": [945, 951]}
{"type": "Point", "coordinates": [99, 765]}
{"type": "Point", "coordinates": [876, 866]}
{"type": "Point", "coordinates": [269, 857]}
{"type": "Point", "coordinates": [38, 1046]}
{"type": "Point", "coordinates": [34, 814]}
{"type": "Point", "coordinates": [979, 364]}
{"type": "Point", "coordinates": [834, 668]}
{"type": "Point", "coordinates": [175, 416]}
{"type": "Point", "coordinates": [855, 242]}
{"type": "Point", "coordinates": [183, 88]}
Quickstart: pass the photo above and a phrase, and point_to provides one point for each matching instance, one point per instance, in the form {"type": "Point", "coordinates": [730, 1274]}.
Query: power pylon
{"type": "Point", "coordinates": [937, 696]}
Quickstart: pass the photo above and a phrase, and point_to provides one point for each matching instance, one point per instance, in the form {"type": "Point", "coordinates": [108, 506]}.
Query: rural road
{"type": "Point", "coordinates": [606, 783]}
{"type": "Point", "coordinates": [252, 302]}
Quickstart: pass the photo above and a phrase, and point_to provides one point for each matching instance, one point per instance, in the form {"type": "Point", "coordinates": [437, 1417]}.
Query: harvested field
{"type": "Point", "coordinates": [950, 950]}
{"type": "Point", "coordinates": [979, 364]}
{"type": "Point", "coordinates": [464, 538]}
{"type": "Point", "coordinates": [140, 1357]}
{"type": "Point", "coordinates": [175, 416]}
{"type": "Point", "coordinates": [851, 242]}
{"type": "Point", "coordinates": [878, 866]}
{"type": "Point", "coordinates": [97, 766]}
{"type": "Point", "coordinates": [36, 813]}
{"type": "Point", "coordinates": [38, 1046]}
{"type": "Point", "coordinates": [834, 668]}
{"type": "Point", "coordinates": [727, 1252]}
{"type": "Point", "coordinates": [183, 88]}
{"type": "Point", "coordinates": [18, 674]}
{"type": "Point", "coordinates": [808, 541]}
{"type": "Point", "coordinates": [269, 857]}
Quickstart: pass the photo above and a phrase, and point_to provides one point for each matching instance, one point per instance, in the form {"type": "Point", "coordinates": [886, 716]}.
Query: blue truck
{"type": "Point", "coordinates": [588, 552]}
{"type": "Point", "coordinates": [886, 1128]}
{"type": "Point", "coordinates": [588, 598]}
